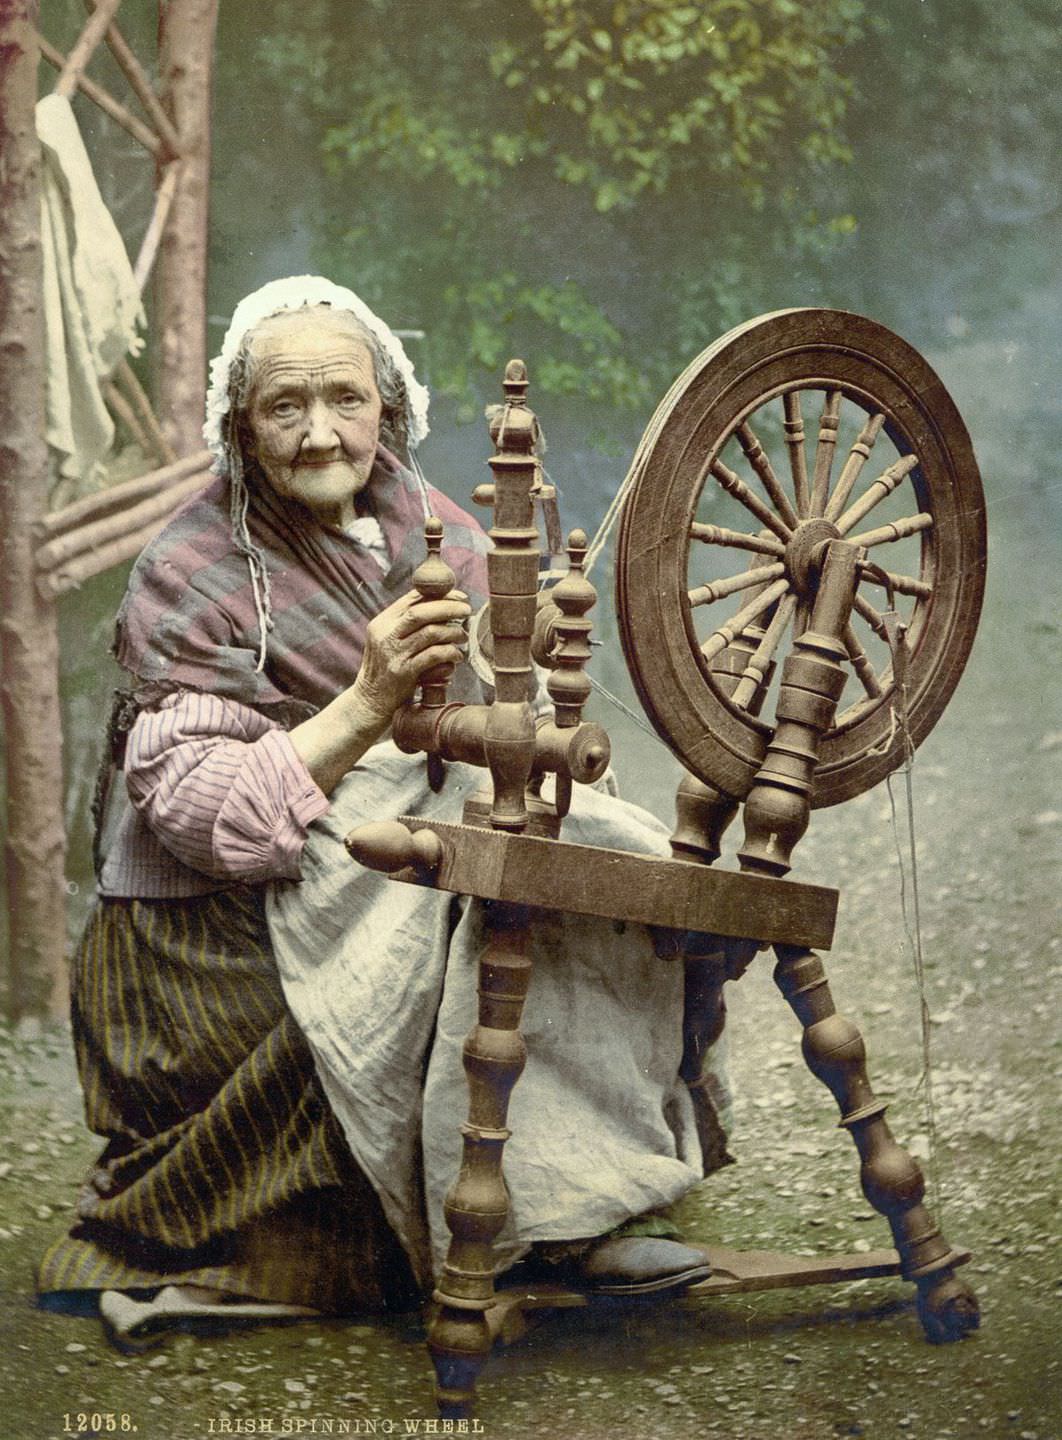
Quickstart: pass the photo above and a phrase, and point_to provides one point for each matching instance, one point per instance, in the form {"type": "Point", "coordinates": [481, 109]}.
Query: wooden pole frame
{"type": "Point", "coordinates": [100, 531]}
{"type": "Point", "coordinates": [141, 86]}
{"type": "Point", "coordinates": [105, 100]}
{"type": "Point", "coordinates": [84, 47]}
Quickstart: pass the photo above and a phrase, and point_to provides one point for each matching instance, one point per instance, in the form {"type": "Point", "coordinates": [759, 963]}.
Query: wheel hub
{"type": "Point", "coordinates": [804, 555]}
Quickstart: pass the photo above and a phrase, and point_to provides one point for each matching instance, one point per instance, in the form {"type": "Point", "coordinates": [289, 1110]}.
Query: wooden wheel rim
{"type": "Point", "coordinates": [872, 367]}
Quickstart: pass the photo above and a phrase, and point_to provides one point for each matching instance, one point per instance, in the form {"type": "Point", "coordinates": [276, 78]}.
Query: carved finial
{"type": "Point", "coordinates": [515, 383]}
{"type": "Point", "coordinates": [513, 427]}
{"type": "Point", "coordinates": [573, 596]}
{"type": "Point", "coordinates": [433, 578]}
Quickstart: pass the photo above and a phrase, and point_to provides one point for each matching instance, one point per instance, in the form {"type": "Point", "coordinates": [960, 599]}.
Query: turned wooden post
{"type": "Point", "coordinates": [890, 1176]}
{"type": "Point", "coordinates": [512, 568]}
{"type": "Point", "coordinates": [776, 816]}
{"type": "Point", "coordinates": [703, 813]}
{"type": "Point", "coordinates": [568, 685]}
{"type": "Point", "coordinates": [574, 597]}
{"type": "Point", "coordinates": [494, 1052]}
{"type": "Point", "coordinates": [477, 1205]}
{"type": "Point", "coordinates": [779, 804]}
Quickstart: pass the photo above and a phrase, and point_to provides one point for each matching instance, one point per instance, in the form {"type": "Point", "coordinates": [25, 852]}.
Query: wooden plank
{"type": "Point", "coordinates": [734, 1272]}
{"type": "Point", "coordinates": [743, 1271]}
{"type": "Point", "coordinates": [620, 885]}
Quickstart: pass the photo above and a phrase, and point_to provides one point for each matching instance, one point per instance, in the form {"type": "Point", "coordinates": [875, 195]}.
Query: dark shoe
{"type": "Point", "coordinates": [641, 1265]}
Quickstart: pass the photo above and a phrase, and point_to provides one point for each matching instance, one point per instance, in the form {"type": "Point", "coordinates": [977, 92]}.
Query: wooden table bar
{"type": "Point", "coordinates": [620, 885]}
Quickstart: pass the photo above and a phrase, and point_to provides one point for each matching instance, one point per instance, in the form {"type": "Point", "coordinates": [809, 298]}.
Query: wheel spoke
{"type": "Point", "coordinates": [794, 439]}
{"type": "Point", "coordinates": [902, 584]}
{"type": "Point", "coordinates": [760, 462]}
{"type": "Point", "coordinates": [828, 422]}
{"type": "Point", "coordinates": [720, 589]}
{"type": "Point", "coordinates": [735, 486]}
{"type": "Point", "coordinates": [895, 530]}
{"type": "Point", "coordinates": [884, 485]}
{"type": "Point", "coordinates": [719, 639]}
{"type": "Point", "coordinates": [718, 535]}
{"type": "Point", "coordinates": [857, 458]}
{"type": "Point", "coordinates": [874, 618]}
{"type": "Point", "coordinates": [755, 672]}
{"type": "Point", "coordinates": [861, 662]}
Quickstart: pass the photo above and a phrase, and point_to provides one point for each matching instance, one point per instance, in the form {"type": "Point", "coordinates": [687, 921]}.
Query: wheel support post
{"type": "Point", "coordinates": [776, 816]}
{"type": "Point", "coordinates": [891, 1178]}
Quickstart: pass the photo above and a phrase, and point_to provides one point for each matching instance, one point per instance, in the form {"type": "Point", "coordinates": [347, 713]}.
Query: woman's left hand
{"type": "Point", "coordinates": [404, 641]}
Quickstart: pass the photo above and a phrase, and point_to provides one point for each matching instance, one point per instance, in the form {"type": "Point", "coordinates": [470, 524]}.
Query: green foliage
{"type": "Point", "coordinates": [565, 178]}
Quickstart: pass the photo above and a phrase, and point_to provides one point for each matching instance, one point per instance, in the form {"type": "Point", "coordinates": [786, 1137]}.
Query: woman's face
{"type": "Point", "coordinates": [314, 409]}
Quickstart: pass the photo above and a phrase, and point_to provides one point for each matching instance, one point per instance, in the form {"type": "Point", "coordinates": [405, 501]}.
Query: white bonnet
{"type": "Point", "coordinates": [291, 294]}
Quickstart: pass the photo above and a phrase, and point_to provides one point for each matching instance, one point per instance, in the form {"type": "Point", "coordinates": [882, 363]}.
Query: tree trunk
{"type": "Point", "coordinates": [186, 50]}
{"type": "Point", "coordinates": [29, 650]}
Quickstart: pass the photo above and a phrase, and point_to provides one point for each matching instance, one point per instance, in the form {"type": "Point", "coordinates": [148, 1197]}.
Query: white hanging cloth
{"type": "Point", "coordinates": [91, 302]}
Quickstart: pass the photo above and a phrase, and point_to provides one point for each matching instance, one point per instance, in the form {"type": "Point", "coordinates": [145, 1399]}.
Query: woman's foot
{"type": "Point", "coordinates": [135, 1325]}
{"type": "Point", "coordinates": [640, 1265]}
{"type": "Point", "coordinates": [643, 1256]}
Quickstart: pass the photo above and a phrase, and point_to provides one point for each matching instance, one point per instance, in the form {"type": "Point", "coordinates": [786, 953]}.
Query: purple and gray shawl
{"type": "Point", "coordinates": [189, 618]}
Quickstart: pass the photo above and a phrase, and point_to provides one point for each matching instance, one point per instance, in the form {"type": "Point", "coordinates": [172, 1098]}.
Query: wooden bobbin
{"type": "Point", "coordinates": [574, 597]}
{"type": "Point", "coordinates": [433, 579]}
{"type": "Point", "coordinates": [569, 688]}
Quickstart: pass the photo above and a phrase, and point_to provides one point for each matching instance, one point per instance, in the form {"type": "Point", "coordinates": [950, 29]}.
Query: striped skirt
{"type": "Point", "coordinates": [224, 1165]}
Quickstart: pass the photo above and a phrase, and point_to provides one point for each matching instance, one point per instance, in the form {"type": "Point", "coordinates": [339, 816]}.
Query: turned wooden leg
{"type": "Point", "coordinates": [478, 1203]}
{"type": "Point", "coordinates": [891, 1178]}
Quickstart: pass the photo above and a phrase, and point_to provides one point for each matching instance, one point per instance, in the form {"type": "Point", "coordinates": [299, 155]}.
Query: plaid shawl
{"type": "Point", "coordinates": [189, 618]}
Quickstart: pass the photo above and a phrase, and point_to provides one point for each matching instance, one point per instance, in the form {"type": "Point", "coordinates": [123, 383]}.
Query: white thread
{"type": "Point", "coordinates": [914, 936]}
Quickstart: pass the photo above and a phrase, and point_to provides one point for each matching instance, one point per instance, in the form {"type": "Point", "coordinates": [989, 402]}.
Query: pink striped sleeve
{"type": "Point", "coordinates": [222, 787]}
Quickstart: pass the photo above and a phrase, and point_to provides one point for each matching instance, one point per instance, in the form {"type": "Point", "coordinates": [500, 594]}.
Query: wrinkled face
{"type": "Point", "coordinates": [314, 409]}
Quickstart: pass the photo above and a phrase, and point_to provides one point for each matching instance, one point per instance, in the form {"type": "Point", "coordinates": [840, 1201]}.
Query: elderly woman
{"type": "Point", "coordinates": [271, 634]}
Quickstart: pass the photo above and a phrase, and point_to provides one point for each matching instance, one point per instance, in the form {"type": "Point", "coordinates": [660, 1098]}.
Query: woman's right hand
{"type": "Point", "coordinates": [408, 638]}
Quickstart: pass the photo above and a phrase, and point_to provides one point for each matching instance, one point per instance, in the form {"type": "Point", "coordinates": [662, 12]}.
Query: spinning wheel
{"type": "Point", "coordinates": [723, 471]}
